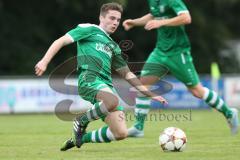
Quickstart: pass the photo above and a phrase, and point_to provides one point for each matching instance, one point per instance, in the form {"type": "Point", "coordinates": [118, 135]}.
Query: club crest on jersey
{"type": "Point", "coordinates": [152, 8]}
{"type": "Point", "coordinates": [162, 8]}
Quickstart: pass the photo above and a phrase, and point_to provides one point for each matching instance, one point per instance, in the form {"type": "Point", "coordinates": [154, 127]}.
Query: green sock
{"type": "Point", "coordinates": [213, 100]}
{"type": "Point", "coordinates": [99, 110]}
{"type": "Point", "coordinates": [102, 135]}
{"type": "Point", "coordinates": [140, 119]}
{"type": "Point", "coordinates": [141, 111]}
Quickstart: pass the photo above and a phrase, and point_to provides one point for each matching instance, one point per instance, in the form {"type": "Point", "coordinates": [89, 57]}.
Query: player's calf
{"type": "Point", "coordinates": [121, 134]}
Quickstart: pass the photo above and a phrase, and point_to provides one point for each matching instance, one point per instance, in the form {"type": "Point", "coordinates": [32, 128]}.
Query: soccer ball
{"type": "Point", "coordinates": [173, 139]}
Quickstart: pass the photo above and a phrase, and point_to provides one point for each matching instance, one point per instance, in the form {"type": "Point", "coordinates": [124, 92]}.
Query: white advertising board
{"type": "Point", "coordinates": [232, 91]}
{"type": "Point", "coordinates": [34, 95]}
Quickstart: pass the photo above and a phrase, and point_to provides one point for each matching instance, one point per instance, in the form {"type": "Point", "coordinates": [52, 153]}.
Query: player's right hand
{"type": "Point", "coordinates": [128, 24]}
{"type": "Point", "coordinates": [40, 68]}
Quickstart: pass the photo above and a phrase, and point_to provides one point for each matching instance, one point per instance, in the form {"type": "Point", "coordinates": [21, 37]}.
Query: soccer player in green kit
{"type": "Point", "coordinates": [97, 54]}
{"type": "Point", "coordinates": [172, 51]}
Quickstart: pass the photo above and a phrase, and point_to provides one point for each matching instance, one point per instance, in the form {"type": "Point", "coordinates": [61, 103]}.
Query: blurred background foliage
{"type": "Point", "coordinates": [28, 27]}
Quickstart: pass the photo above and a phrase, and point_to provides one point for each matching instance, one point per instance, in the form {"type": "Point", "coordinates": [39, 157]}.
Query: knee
{"type": "Point", "coordinates": [121, 134]}
{"type": "Point", "coordinates": [197, 92]}
{"type": "Point", "coordinates": [112, 102]}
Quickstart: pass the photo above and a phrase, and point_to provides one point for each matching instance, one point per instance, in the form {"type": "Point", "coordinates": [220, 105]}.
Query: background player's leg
{"type": "Point", "coordinates": [142, 108]}
{"type": "Point", "coordinates": [183, 69]}
{"type": "Point", "coordinates": [216, 102]}
{"type": "Point", "coordinates": [152, 71]}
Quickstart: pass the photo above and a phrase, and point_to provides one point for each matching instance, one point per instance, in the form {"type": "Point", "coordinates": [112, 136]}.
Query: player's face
{"type": "Point", "coordinates": [110, 21]}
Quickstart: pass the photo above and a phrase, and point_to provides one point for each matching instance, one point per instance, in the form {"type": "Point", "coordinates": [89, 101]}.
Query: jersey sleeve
{"type": "Point", "coordinates": [154, 9]}
{"type": "Point", "coordinates": [82, 31]}
{"type": "Point", "coordinates": [118, 61]}
{"type": "Point", "coordinates": [178, 6]}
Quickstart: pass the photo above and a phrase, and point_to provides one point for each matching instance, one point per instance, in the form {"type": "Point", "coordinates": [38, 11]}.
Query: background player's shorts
{"type": "Point", "coordinates": [180, 65]}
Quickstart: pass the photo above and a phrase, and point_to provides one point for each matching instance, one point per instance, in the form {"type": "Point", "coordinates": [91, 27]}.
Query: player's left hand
{"type": "Point", "coordinates": [160, 99]}
{"type": "Point", "coordinates": [153, 24]}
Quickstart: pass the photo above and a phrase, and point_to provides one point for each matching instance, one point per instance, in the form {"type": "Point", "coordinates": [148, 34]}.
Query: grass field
{"type": "Point", "coordinates": [33, 137]}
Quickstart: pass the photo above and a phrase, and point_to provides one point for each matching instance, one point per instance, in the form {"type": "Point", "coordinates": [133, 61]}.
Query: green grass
{"type": "Point", "coordinates": [33, 137]}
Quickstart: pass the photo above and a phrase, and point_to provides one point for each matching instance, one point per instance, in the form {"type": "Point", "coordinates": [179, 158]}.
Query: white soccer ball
{"type": "Point", "coordinates": [173, 139]}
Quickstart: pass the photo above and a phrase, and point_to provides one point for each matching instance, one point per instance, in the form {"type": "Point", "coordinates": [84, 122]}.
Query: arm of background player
{"type": "Point", "coordinates": [142, 21]}
{"type": "Point", "coordinates": [41, 66]}
{"type": "Point", "coordinates": [181, 19]}
{"type": "Point", "coordinates": [135, 82]}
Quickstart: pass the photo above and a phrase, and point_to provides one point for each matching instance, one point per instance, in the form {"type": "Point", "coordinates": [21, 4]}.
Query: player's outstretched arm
{"type": "Point", "coordinates": [134, 81]}
{"type": "Point", "coordinates": [181, 19]}
{"type": "Point", "coordinates": [142, 21]}
{"type": "Point", "coordinates": [41, 66]}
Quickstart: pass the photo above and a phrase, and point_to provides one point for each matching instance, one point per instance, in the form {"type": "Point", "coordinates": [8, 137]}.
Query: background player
{"type": "Point", "coordinates": [173, 51]}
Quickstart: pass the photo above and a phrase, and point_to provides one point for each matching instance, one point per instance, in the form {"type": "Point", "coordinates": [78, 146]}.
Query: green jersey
{"type": "Point", "coordinates": [170, 39]}
{"type": "Point", "coordinates": [97, 52]}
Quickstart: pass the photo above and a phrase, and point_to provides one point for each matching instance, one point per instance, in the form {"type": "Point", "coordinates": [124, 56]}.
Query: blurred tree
{"type": "Point", "coordinates": [214, 24]}
{"type": "Point", "coordinates": [27, 28]}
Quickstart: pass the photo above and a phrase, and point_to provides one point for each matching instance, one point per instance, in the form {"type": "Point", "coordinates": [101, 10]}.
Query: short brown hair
{"type": "Point", "coordinates": [110, 6]}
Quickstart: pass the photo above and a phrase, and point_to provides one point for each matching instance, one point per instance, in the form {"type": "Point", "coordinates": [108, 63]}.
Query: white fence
{"type": "Point", "coordinates": [34, 95]}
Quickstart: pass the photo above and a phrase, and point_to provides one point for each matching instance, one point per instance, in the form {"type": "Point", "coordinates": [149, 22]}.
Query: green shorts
{"type": "Point", "coordinates": [89, 86]}
{"type": "Point", "coordinates": [180, 65]}
{"type": "Point", "coordinates": [88, 90]}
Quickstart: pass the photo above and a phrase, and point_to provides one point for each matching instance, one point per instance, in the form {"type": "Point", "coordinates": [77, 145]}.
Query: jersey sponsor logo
{"type": "Point", "coordinates": [104, 48]}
